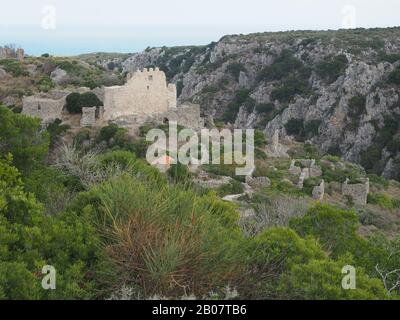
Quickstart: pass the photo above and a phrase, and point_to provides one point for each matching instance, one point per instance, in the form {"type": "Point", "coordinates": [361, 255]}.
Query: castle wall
{"type": "Point", "coordinates": [46, 108]}
{"type": "Point", "coordinates": [145, 93]}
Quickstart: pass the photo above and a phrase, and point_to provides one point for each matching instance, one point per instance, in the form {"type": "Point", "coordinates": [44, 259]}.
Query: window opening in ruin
{"type": "Point", "coordinates": [39, 107]}
{"type": "Point", "coordinates": [166, 121]}
{"type": "Point", "coordinates": [151, 78]}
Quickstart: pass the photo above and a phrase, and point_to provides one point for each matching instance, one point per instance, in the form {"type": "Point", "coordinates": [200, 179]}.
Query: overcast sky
{"type": "Point", "coordinates": [77, 26]}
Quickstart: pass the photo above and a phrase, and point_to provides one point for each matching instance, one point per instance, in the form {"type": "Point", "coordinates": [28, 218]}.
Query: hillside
{"type": "Point", "coordinates": [339, 89]}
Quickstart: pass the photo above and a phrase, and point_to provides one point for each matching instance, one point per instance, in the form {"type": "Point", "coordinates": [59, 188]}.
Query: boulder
{"type": "Point", "coordinates": [59, 76]}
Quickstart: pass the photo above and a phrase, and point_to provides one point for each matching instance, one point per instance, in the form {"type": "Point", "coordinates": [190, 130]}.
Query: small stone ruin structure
{"type": "Point", "coordinates": [275, 149]}
{"type": "Point", "coordinates": [358, 192]}
{"type": "Point", "coordinates": [319, 191]}
{"type": "Point", "coordinates": [88, 117]}
{"type": "Point", "coordinates": [46, 106]}
{"type": "Point", "coordinates": [307, 170]}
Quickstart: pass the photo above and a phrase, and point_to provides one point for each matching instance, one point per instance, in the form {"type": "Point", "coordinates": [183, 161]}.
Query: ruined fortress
{"type": "Point", "coordinates": [10, 52]}
{"type": "Point", "coordinates": [145, 98]}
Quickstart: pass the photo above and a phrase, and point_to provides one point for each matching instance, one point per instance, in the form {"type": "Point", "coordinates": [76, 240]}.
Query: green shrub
{"type": "Point", "coordinates": [291, 87]}
{"type": "Point", "coordinates": [311, 128]}
{"type": "Point", "coordinates": [271, 254]}
{"type": "Point", "coordinates": [56, 129]}
{"type": "Point", "coordinates": [166, 234]}
{"type": "Point", "coordinates": [295, 127]}
{"type": "Point", "coordinates": [265, 108]}
{"type": "Point", "coordinates": [357, 106]}
{"type": "Point", "coordinates": [383, 201]}
{"type": "Point", "coordinates": [332, 67]}
{"type": "Point", "coordinates": [76, 101]}
{"type": "Point", "coordinates": [283, 66]}
{"type": "Point", "coordinates": [371, 157]}
{"type": "Point", "coordinates": [30, 240]}
{"type": "Point", "coordinates": [233, 187]}
{"type": "Point", "coordinates": [234, 69]}
{"type": "Point", "coordinates": [242, 98]}
{"type": "Point", "coordinates": [22, 136]}
{"type": "Point", "coordinates": [336, 229]}
{"type": "Point", "coordinates": [394, 76]}
{"type": "Point", "coordinates": [322, 280]}
{"type": "Point", "coordinates": [16, 68]}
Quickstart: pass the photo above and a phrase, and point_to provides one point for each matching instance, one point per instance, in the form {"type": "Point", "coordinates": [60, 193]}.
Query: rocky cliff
{"type": "Point", "coordinates": [338, 89]}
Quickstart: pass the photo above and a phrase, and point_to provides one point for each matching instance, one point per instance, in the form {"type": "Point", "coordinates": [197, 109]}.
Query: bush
{"type": "Point", "coordinates": [336, 229]}
{"type": "Point", "coordinates": [295, 127]}
{"type": "Point", "coordinates": [291, 87]}
{"type": "Point", "coordinates": [311, 128]}
{"type": "Point", "coordinates": [233, 187]}
{"type": "Point", "coordinates": [242, 98]}
{"type": "Point", "coordinates": [21, 136]}
{"type": "Point", "coordinates": [357, 106]}
{"type": "Point", "coordinates": [23, 225]}
{"type": "Point", "coordinates": [383, 201]}
{"type": "Point", "coordinates": [394, 76]}
{"type": "Point", "coordinates": [321, 280]}
{"type": "Point", "coordinates": [371, 157]}
{"type": "Point", "coordinates": [283, 66]}
{"type": "Point", "coordinates": [331, 68]}
{"type": "Point", "coordinates": [14, 67]}
{"type": "Point", "coordinates": [234, 69]}
{"type": "Point", "coordinates": [265, 108]}
{"type": "Point", "coordinates": [76, 101]}
{"type": "Point", "coordinates": [55, 130]}
{"type": "Point", "coordinates": [164, 240]}
{"type": "Point", "coordinates": [271, 254]}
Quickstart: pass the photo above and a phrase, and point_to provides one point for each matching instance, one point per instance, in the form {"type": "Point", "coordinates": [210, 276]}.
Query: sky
{"type": "Point", "coordinates": [68, 27]}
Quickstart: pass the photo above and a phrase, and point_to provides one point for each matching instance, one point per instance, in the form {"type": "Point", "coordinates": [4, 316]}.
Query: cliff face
{"type": "Point", "coordinates": [339, 89]}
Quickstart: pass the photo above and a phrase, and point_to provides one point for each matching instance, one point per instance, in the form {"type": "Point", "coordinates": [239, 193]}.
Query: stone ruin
{"type": "Point", "coordinates": [10, 52]}
{"type": "Point", "coordinates": [319, 191]}
{"type": "Point", "coordinates": [307, 170]}
{"type": "Point", "coordinates": [145, 98]}
{"type": "Point", "coordinates": [88, 117]}
{"type": "Point", "coordinates": [46, 106]}
{"type": "Point", "coordinates": [358, 192]}
{"type": "Point", "coordinates": [275, 149]}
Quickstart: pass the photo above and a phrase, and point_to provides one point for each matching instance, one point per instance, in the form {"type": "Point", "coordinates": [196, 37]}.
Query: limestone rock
{"type": "Point", "coordinates": [258, 182]}
{"type": "Point", "coordinates": [59, 76]}
{"type": "Point", "coordinates": [3, 73]}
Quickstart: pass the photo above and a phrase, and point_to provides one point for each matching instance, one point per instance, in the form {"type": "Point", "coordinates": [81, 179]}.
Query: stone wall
{"type": "Point", "coordinates": [187, 115]}
{"type": "Point", "coordinates": [88, 117]}
{"type": "Point", "coordinates": [145, 93]}
{"type": "Point", "coordinates": [47, 107]}
{"type": "Point", "coordinates": [358, 192]}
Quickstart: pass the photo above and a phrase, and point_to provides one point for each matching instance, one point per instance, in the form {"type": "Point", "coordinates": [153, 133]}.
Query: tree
{"type": "Point", "coordinates": [30, 240]}
{"type": "Point", "coordinates": [322, 280]}
{"type": "Point", "coordinates": [336, 229]}
{"type": "Point", "coordinates": [21, 136]}
{"type": "Point", "coordinates": [76, 101]}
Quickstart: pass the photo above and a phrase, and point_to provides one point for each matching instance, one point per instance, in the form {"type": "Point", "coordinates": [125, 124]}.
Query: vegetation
{"type": "Point", "coordinates": [77, 101]}
{"type": "Point", "coordinates": [331, 68]}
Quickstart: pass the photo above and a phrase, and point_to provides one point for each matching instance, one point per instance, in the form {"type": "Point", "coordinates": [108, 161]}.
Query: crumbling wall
{"type": "Point", "coordinates": [47, 107]}
{"type": "Point", "coordinates": [358, 192]}
{"type": "Point", "coordinates": [88, 117]}
{"type": "Point", "coordinates": [145, 93]}
{"type": "Point", "coordinates": [319, 191]}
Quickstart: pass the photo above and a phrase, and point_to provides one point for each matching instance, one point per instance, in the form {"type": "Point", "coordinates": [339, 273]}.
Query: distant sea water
{"type": "Point", "coordinates": [66, 41]}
